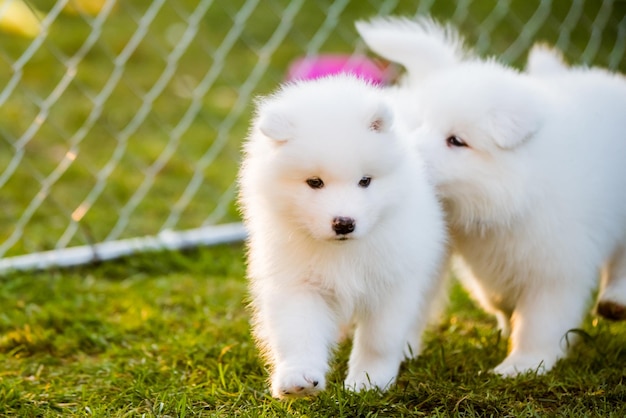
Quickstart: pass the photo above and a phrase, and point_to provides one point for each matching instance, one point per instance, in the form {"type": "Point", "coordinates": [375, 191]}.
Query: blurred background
{"type": "Point", "coordinates": [123, 119]}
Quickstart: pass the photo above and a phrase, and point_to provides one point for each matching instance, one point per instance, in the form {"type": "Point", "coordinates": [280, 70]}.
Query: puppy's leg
{"type": "Point", "coordinates": [504, 323]}
{"type": "Point", "coordinates": [430, 316]}
{"type": "Point", "coordinates": [299, 329]}
{"type": "Point", "coordinates": [379, 343]}
{"type": "Point", "coordinates": [612, 300]}
{"type": "Point", "coordinates": [480, 294]}
{"type": "Point", "coordinates": [540, 325]}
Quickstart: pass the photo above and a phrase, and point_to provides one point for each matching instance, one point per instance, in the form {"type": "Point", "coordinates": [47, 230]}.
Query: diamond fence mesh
{"type": "Point", "coordinates": [123, 119]}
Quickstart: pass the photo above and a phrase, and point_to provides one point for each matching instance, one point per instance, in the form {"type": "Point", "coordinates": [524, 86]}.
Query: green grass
{"type": "Point", "coordinates": [167, 334]}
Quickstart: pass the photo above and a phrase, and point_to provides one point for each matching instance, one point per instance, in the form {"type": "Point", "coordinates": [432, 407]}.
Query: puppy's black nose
{"type": "Point", "coordinates": [343, 225]}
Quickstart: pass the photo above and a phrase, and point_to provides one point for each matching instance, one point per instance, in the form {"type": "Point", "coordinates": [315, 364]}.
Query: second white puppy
{"type": "Point", "coordinates": [343, 228]}
{"type": "Point", "coordinates": [531, 171]}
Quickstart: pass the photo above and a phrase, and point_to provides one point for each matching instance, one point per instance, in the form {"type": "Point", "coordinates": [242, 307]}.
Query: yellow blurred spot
{"type": "Point", "coordinates": [70, 155]}
{"type": "Point", "coordinates": [86, 7]}
{"type": "Point", "coordinates": [19, 19]}
{"type": "Point", "coordinates": [145, 314]}
{"type": "Point", "coordinates": [21, 336]}
{"type": "Point", "coordinates": [79, 212]}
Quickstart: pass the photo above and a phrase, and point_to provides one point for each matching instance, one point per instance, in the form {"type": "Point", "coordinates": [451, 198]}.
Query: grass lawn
{"type": "Point", "coordinates": [167, 334]}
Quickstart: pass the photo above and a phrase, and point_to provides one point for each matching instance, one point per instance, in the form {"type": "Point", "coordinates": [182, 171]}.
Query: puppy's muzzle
{"type": "Point", "coordinates": [343, 225]}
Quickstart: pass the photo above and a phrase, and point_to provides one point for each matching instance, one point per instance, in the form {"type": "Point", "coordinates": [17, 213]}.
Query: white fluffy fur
{"type": "Point", "coordinates": [397, 38]}
{"type": "Point", "coordinates": [536, 202]}
{"type": "Point", "coordinates": [305, 282]}
{"type": "Point", "coordinates": [543, 59]}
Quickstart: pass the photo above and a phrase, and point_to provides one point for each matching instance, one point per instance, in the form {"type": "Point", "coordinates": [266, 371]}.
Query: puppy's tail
{"type": "Point", "coordinates": [421, 46]}
{"type": "Point", "coordinates": [543, 60]}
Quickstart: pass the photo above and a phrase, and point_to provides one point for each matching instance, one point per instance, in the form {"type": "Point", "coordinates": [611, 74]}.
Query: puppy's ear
{"type": "Point", "coordinates": [275, 124]}
{"type": "Point", "coordinates": [543, 59]}
{"type": "Point", "coordinates": [422, 46]}
{"type": "Point", "coordinates": [381, 120]}
{"type": "Point", "coordinates": [514, 122]}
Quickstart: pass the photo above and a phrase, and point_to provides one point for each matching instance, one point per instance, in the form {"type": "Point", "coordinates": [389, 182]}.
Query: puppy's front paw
{"type": "Point", "coordinates": [358, 385]}
{"type": "Point", "coordinates": [358, 382]}
{"type": "Point", "coordinates": [297, 382]}
{"type": "Point", "coordinates": [515, 365]}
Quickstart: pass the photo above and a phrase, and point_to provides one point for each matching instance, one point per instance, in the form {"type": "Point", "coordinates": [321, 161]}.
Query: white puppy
{"type": "Point", "coordinates": [531, 170]}
{"type": "Point", "coordinates": [343, 227]}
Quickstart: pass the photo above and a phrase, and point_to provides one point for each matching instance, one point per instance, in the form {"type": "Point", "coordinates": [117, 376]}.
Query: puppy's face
{"type": "Point", "coordinates": [477, 120]}
{"type": "Point", "coordinates": [333, 184]}
{"type": "Point", "coordinates": [328, 168]}
{"type": "Point", "coordinates": [327, 204]}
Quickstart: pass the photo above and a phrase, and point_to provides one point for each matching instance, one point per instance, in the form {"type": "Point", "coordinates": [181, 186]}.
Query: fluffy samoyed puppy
{"type": "Point", "coordinates": [530, 169]}
{"type": "Point", "coordinates": [343, 228]}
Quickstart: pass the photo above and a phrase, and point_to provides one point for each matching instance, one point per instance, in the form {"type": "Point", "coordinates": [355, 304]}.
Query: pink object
{"type": "Point", "coordinates": [309, 68]}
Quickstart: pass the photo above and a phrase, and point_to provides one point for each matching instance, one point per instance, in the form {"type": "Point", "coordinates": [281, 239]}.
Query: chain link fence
{"type": "Point", "coordinates": [121, 121]}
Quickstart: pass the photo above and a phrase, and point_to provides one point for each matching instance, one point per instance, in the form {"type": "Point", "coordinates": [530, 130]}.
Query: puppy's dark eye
{"type": "Point", "coordinates": [315, 183]}
{"type": "Point", "coordinates": [455, 141]}
{"type": "Point", "coordinates": [365, 181]}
